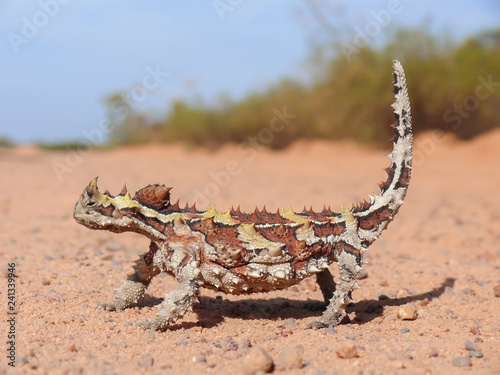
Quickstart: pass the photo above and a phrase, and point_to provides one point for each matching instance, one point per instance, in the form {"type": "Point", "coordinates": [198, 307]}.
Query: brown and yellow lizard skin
{"type": "Point", "coordinates": [239, 253]}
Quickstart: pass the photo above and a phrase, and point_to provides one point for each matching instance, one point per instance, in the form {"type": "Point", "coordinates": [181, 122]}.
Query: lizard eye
{"type": "Point", "coordinates": [91, 204]}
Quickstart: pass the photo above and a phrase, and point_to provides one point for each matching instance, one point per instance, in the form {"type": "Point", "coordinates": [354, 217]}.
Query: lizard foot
{"type": "Point", "coordinates": [318, 324]}
{"type": "Point", "coordinates": [115, 305]}
{"type": "Point", "coordinates": [147, 324]}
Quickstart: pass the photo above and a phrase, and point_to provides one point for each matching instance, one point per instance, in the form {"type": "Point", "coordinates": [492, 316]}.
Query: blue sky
{"type": "Point", "coordinates": [60, 58]}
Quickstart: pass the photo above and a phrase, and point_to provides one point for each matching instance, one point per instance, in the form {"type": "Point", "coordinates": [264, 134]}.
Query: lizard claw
{"type": "Point", "coordinates": [318, 324]}
{"type": "Point", "coordinates": [147, 324]}
{"type": "Point", "coordinates": [111, 306]}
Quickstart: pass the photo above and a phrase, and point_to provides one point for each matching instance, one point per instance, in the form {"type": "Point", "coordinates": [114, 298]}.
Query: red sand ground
{"type": "Point", "coordinates": [442, 254]}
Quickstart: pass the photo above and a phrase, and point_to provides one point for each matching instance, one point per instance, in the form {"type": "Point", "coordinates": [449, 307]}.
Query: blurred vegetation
{"type": "Point", "coordinates": [68, 146]}
{"type": "Point", "coordinates": [349, 97]}
{"type": "Point", "coordinates": [5, 142]}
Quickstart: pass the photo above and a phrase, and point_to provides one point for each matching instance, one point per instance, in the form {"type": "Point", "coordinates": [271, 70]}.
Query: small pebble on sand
{"type": "Point", "coordinates": [470, 346]}
{"type": "Point", "coordinates": [199, 359]}
{"type": "Point", "coordinates": [496, 290]}
{"type": "Point", "coordinates": [433, 352]}
{"type": "Point", "coordinates": [347, 351]}
{"type": "Point", "coordinates": [113, 246]}
{"type": "Point", "coordinates": [145, 361]}
{"type": "Point", "coordinates": [228, 343]}
{"type": "Point", "coordinates": [382, 297]}
{"type": "Point", "coordinates": [257, 360]}
{"type": "Point", "coordinates": [469, 291]}
{"type": "Point", "coordinates": [476, 353]}
{"type": "Point", "coordinates": [407, 312]}
{"type": "Point", "coordinates": [462, 362]}
{"type": "Point", "coordinates": [290, 358]}
{"type": "Point", "coordinates": [363, 274]}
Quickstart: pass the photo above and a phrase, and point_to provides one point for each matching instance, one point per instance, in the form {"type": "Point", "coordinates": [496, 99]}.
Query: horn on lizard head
{"type": "Point", "coordinates": [92, 187]}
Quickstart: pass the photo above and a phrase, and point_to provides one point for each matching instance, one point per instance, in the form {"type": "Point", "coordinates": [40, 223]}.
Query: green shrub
{"type": "Point", "coordinates": [352, 98]}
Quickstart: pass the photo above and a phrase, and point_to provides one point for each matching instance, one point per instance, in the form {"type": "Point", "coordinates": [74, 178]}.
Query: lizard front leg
{"type": "Point", "coordinates": [348, 270]}
{"type": "Point", "coordinates": [178, 301]}
{"type": "Point", "coordinates": [133, 288]}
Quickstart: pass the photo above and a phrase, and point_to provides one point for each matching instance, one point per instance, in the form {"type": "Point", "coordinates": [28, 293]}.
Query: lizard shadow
{"type": "Point", "coordinates": [367, 310]}
{"type": "Point", "coordinates": [213, 311]}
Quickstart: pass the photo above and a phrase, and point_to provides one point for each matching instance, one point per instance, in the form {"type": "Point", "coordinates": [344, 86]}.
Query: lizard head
{"type": "Point", "coordinates": [119, 213]}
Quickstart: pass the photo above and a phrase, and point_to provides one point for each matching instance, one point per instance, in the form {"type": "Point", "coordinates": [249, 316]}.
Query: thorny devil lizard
{"type": "Point", "coordinates": [238, 253]}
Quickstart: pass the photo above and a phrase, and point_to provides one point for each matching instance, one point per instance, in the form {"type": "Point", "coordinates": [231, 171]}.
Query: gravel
{"type": "Point", "coordinates": [407, 312]}
{"type": "Point", "coordinates": [228, 344]}
{"type": "Point", "coordinates": [113, 246]}
{"type": "Point", "coordinates": [476, 353]}
{"type": "Point", "coordinates": [363, 274]}
{"type": "Point", "coordinates": [347, 351]}
{"type": "Point", "coordinates": [462, 362]}
{"type": "Point", "coordinates": [257, 360]}
{"type": "Point", "coordinates": [470, 346]}
{"type": "Point", "coordinates": [145, 361]}
{"type": "Point", "coordinates": [290, 358]}
{"type": "Point", "coordinates": [496, 290]}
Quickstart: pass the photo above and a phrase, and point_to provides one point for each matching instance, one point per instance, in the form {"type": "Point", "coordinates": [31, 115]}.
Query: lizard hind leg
{"type": "Point", "coordinates": [348, 270]}
{"type": "Point", "coordinates": [326, 284]}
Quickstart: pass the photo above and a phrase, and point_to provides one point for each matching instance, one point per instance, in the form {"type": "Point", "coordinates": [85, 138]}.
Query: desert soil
{"type": "Point", "coordinates": [441, 256]}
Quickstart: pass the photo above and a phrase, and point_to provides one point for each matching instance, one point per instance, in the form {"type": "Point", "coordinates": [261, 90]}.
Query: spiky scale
{"type": "Point", "coordinates": [209, 224]}
{"type": "Point", "coordinates": [280, 229]}
{"type": "Point", "coordinates": [274, 250]}
{"type": "Point", "coordinates": [255, 216]}
{"type": "Point", "coordinates": [313, 269]}
{"type": "Point", "coordinates": [306, 225]}
{"type": "Point", "coordinates": [179, 222]}
{"type": "Point", "coordinates": [323, 264]}
{"type": "Point", "coordinates": [301, 245]}
{"type": "Point", "coordinates": [277, 215]}
{"type": "Point", "coordinates": [255, 274]}
{"type": "Point", "coordinates": [234, 253]}
{"type": "Point", "coordinates": [249, 228]}
{"type": "Point", "coordinates": [280, 274]}
{"type": "Point", "coordinates": [175, 207]}
{"type": "Point", "coordinates": [217, 270]}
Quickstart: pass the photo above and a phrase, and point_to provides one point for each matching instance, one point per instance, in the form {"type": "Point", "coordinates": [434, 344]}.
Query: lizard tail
{"type": "Point", "coordinates": [374, 216]}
